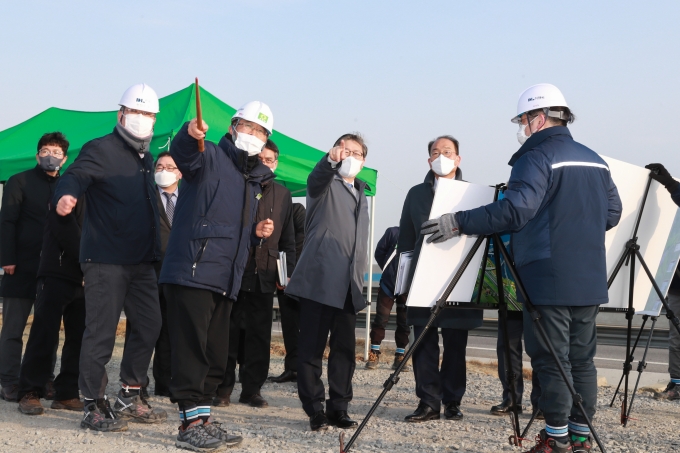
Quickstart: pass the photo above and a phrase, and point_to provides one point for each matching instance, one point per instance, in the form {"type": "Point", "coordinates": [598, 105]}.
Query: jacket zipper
{"type": "Point", "coordinates": [60, 255]}
{"type": "Point", "coordinates": [199, 255]}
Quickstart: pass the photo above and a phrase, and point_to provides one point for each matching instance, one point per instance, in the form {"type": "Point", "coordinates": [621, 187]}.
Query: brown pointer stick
{"type": "Point", "coordinates": [199, 118]}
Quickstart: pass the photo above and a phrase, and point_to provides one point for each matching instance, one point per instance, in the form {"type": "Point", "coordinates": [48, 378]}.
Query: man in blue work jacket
{"type": "Point", "coordinates": [559, 203]}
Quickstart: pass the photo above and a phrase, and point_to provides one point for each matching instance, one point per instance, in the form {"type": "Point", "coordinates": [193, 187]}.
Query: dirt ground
{"type": "Point", "coordinates": [283, 426]}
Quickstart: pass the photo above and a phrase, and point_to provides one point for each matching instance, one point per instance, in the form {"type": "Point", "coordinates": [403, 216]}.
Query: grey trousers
{"type": "Point", "coordinates": [674, 336]}
{"type": "Point", "coordinates": [573, 334]}
{"type": "Point", "coordinates": [15, 313]}
{"type": "Point", "coordinates": [110, 288]}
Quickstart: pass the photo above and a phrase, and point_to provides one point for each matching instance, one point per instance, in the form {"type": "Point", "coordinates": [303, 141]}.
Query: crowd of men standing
{"type": "Point", "coordinates": [194, 267]}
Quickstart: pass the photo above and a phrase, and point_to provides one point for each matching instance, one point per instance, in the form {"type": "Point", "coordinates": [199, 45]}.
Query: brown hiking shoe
{"type": "Point", "coordinates": [74, 404]}
{"type": "Point", "coordinates": [398, 358]}
{"type": "Point", "coordinates": [373, 359]}
{"type": "Point", "coordinates": [222, 401]}
{"type": "Point", "coordinates": [30, 404]}
{"type": "Point", "coordinates": [9, 393]}
{"type": "Point", "coordinates": [671, 393]}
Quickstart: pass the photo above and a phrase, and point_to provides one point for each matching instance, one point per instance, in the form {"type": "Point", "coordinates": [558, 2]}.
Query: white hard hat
{"type": "Point", "coordinates": [256, 112]}
{"type": "Point", "coordinates": [140, 97]}
{"type": "Point", "coordinates": [543, 95]}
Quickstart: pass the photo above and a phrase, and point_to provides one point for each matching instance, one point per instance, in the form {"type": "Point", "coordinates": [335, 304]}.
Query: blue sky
{"type": "Point", "coordinates": [399, 72]}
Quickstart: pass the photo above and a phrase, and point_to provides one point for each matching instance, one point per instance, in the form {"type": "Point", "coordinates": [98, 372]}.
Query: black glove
{"type": "Point", "coordinates": [659, 173]}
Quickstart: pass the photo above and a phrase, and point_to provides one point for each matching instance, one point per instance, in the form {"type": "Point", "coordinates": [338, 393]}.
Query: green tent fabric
{"type": "Point", "coordinates": [18, 143]}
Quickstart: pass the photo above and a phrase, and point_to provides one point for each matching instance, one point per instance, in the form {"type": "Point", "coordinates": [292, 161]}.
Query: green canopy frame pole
{"type": "Point", "coordinates": [369, 291]}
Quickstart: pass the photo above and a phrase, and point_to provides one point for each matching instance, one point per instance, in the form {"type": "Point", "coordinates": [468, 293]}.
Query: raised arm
{"type": "Point", "coordinates": [83, 172]}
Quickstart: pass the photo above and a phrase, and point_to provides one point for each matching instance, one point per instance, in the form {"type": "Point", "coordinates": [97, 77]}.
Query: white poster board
{"type": "Point", "coordinates": [653, 233]}
{"type": "Point", "coordinates": [438, 263]}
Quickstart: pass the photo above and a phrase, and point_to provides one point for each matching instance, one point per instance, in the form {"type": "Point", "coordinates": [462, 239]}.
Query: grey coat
{"type": "Point", "coordinates": [334, 257]}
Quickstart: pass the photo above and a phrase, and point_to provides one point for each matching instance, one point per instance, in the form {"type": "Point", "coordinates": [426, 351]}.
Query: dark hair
{"type": "Point", "coordinates": [355, 137]}
{"type": "Point", "coordinates": [54, 139]}
{"type": "Point", "coordinates": [567, 116]}
{"type": "Point", "coordinates": [272, 146]}
{"type": "Point", "coordinates": [446, 137]}
{"type": "Point", "coordinates": [162, 154]}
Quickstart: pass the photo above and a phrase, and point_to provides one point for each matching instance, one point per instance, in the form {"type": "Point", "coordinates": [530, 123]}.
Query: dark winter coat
{"type": "Point", "coordinates": [415, 212]}
{"type": "Point", "coordinates": [165, 229]}
{"type": "Point", "coordinates": [559, 203]}
{"type": "Point", "coordinates": [299, 213]}
{"type": "Point", "coordinates": [61, 245]}
{"type": "Point", "coordinates": [334, 259]}
{"type": "Point", "coordinates": [261, 272]}
{"type": "Point", "coordinates": [25, 199]}
{"type": "Point", "coordinates": [121, 220]}
{"type": "Point", "coordinates": [212, 227]}
{"type": "Point", "coordinates": [386, 246]}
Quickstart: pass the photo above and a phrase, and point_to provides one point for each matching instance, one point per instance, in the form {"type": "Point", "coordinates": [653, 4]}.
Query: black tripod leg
{"type": "Point", "coordinates": [627, 366]}
{"type": "Point", "coordinates": [536, 316]}
{"type": "Point", "coordinates": [534, 414]}
{"type": "Point", "coordinates": [510, 376]}
{"type": "Point", "coordinates": [394, 377]}
{"type": "Point", "coordinates": [630, 359]}
{"type": "Point", "coordinates": [641, 367]}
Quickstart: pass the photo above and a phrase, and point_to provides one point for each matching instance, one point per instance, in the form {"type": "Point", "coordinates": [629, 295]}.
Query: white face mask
{"type": "Point", "coordinates": [443, 166]}
{"type": "Point", "coordinates": [521, 135]}
{"type": "Point", "coordinates": [249, 143]}
{"type": "Point", "coordinates": [165, 178]}
{"type": "Point", "coordinates": [139, 125]}
{"type": "Point", "coordinates": [350, 167]}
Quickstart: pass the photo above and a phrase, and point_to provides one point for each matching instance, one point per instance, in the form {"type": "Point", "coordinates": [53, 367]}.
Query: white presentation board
{"type": "Point", "coordinates": [438, 263]}
{"type": "Point", "coordinates": [654, 231]}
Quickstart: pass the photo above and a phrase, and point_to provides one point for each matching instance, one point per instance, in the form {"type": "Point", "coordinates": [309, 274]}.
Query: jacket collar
{"type": "Point", "coordinates": [430, 177]}
{"type": "Point", "coordinates": [44, 175]}
{"type": "Point", "coordinates": [260, 173]}
{"type": "Point", "coordinates": [536, 139]}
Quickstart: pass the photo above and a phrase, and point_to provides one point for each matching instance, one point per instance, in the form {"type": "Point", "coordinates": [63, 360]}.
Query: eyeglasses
{"type": "Point", "coordinates": [446, 153]}
{"type": "Point", "coordinates": [46, 152]}
{"type": "Point", "coordinates": [252, 129]}
{"type": "Point", "coordinates": [129, 111]}
{"type": "Point", "coordinates": [268, 160]}
{"type": "Point", "coordinates": [358, 155]}
{"type": "Point", "coordinates": [161, 167]}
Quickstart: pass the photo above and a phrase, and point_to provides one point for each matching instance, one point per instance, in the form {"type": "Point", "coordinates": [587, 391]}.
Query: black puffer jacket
{"type": "Point", "coordinates": [22, 221]}
{"type": "Point", "coordinates": [61, 245]}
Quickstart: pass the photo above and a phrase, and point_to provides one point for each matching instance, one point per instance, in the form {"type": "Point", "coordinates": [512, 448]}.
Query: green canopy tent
{"type": "Point", "coordinates": [18, 143]}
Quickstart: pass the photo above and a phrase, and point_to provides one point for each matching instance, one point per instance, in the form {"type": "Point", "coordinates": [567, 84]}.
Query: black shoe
{"type": "Point", "coordinates": [255, 400]}
{"type": "Point", "coordinates": [423, 413]}
{"type": "Point", "coordinates": [452, 411]}
{"type": "Point", "coordinates": [144, 393]}
{"type": "Point", "coordinates": [10, 393]}
{"type": "Point", "coordinates": [340, 419]}
{"type": "Point", "coordinates": [286, 376]}
{"type": "Point", "coordinates": [318, 421]}
{"type": "Point", "coordinates": [503, 409]}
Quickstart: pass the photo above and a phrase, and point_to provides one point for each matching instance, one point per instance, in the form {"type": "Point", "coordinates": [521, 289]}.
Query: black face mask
{"type": "Point", "coordinates": [50, 163]}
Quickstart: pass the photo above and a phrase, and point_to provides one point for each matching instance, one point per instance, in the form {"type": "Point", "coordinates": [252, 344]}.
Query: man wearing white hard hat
{"type": "Point", "coordinates": [559, 203]}
{"type": "Point", "coordinates": [119, 243]}
{"type": "Point", "coordinates": [212, 232]}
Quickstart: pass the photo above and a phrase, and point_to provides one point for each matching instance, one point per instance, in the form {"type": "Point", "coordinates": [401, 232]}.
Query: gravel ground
{"type": "Point", "coordinates": [283, 426]}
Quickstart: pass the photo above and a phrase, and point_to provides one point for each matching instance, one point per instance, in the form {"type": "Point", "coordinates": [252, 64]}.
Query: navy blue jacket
{"type": "Point", "coordinates": [212, 227]}
{"type": "Point", "coordinates": [386, 245]}
{"type": "Point", "coordinates": [559, 203]}
{"type": "Point", "coordinates": [121, 220]}
{"type": "Point", "coordinates": [416, 210]}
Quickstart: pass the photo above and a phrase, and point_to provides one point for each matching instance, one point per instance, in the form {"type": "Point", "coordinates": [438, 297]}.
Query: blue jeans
{"type": "Point", "coordinates": [573, 335]}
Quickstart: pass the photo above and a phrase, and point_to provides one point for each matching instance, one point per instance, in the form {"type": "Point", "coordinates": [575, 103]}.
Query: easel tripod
{"type": "Point", "coordinates": [630, 254]}
{"type": "Point", "coordinates": [516, 438]}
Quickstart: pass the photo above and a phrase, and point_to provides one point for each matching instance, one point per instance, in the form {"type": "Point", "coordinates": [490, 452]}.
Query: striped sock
{"type": "Point", "coordinates": [675, 381]}
{"type": "Point", "coordinates": [400, 351]}
{"type": "Point", "coordinates": [578, 431]}
{"type": "Point", "coordinates": [203, 412]}
{"type": "Point", "coordinates": [559, 433]}
{"type": "Point", "coordinates": [375, 347]}
{"type": "Point", "coordinates": [188, 415]}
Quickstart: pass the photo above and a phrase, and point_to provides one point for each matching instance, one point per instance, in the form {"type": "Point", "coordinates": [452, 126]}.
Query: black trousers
{"type": "Point", "coordinates": [56, 298]}
{"type": "Point", "coordinates": [446, 385]}
{"type": "Point", "coordinates": [162, 356]}
{"type": "Point", "coordinates": [515, 331]}
{"type": "Point", "coordinates": [382, 315]}
{"type": "Point", "coordinates": [198, 323]}
{"type": "Point", "coordinates": [250, 336]}
{"type": "Point", "coordinates": [316, 321]}
{"type": "Point", "coordinates": [290, 325]}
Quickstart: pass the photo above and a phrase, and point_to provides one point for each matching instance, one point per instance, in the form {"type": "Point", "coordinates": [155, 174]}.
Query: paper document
{"type": "Point", "coordinates": [402, 285]}
{"type": "Point", "coordinates": [283, 269]}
